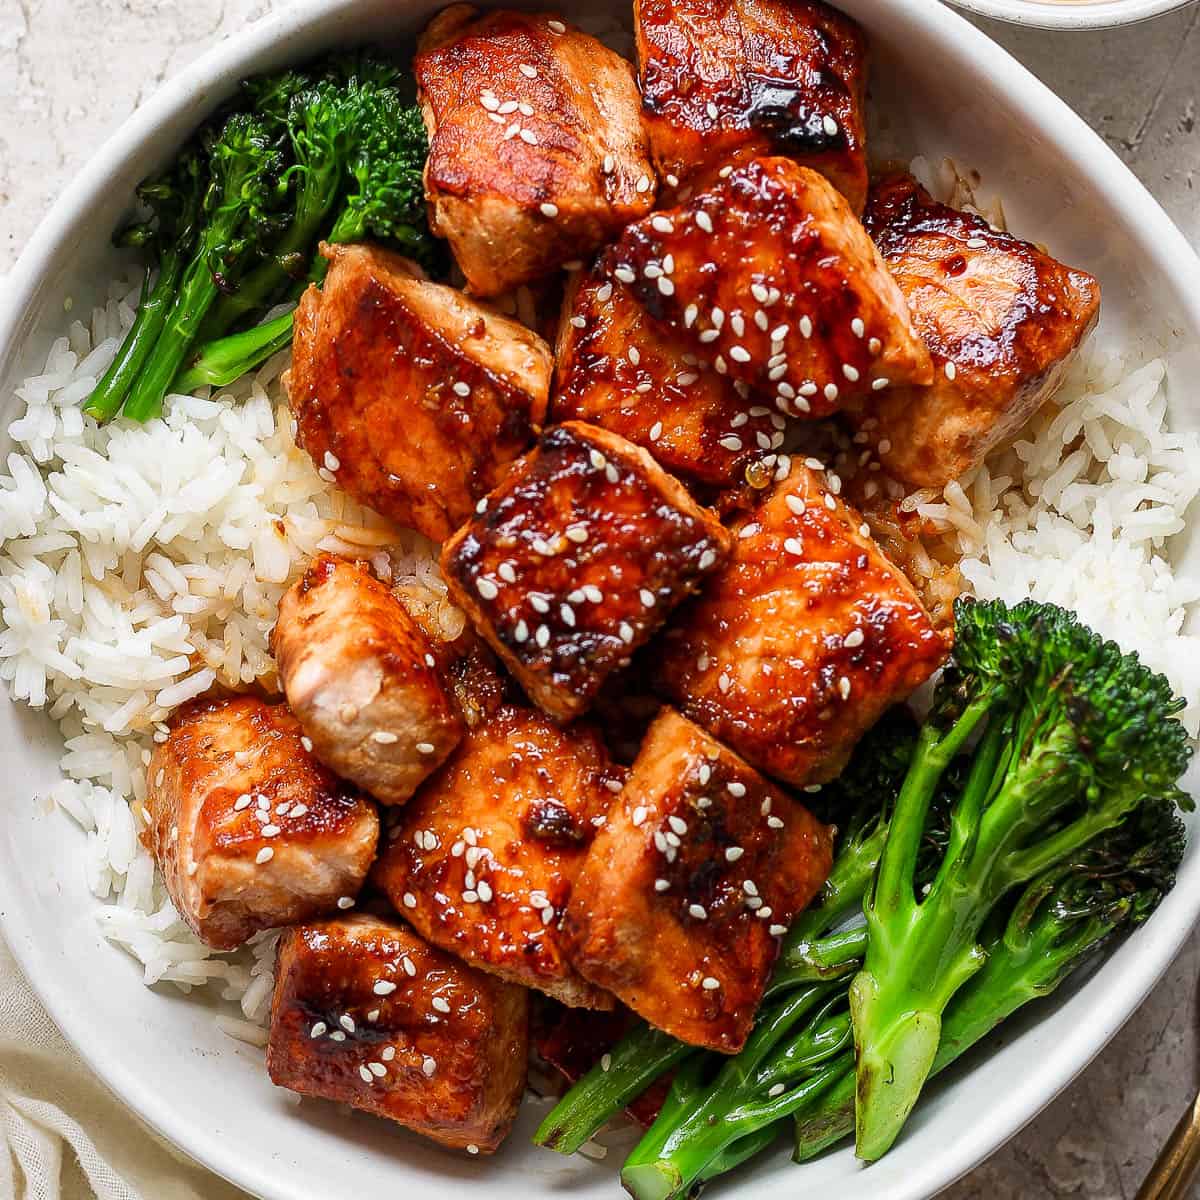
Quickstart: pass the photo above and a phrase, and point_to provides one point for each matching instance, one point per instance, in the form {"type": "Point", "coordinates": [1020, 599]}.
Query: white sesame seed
{"type": "Point", "coordinates": [733, 853]}
{"type": "Point", "coordinates": [485, 891]}
{"type": "Point", "coordinates": [611, 473]}
{"type": "Point", "coordinates": [410, 901]}
{"type": "Point", "coordinates": [486, 588]}
{"type": "Point", "coordinates": [698, 911]}
{"type": "Point", "coordinates": [850, 372]}
{"type": "Point", "coordinates": [529, 137]}
{"type": "Point", "coordinates": [831, 392]}
{"type": "Point", "coordinates": [264, 855]}
{"type": "Point", "coordinates": [441, 1004]}
{"type": "Point", "coordinates": [713, 111]}
{"type": "Point", "coordinates": [625, 274]}
{"type": "Point", "coordinates": [556, 27]}
{"type": "Point", "coordinates": [568, 615]}
{"type": "Point", "coordinates": [521, 631]}
{"type": "Point", "coordinates": [705, 772]}
{"type": "Point", "coordinates": [844, 687]}
{"type": "Point", "coordinates": [794, 546]}
{"type": "Point", "coordinates": [666, 287]}
{"type": "Point", "coordinates": [526, 110]}
{"type": "Point", "coordinates": [977, 243]}
{"type": "Point", "coordinates": [739, 354]}
{"type": "Point", "coordinates": [830, 126]}
{"type": "Point", "coordinates": [542, 636]}
{"type": "Point", "coordinates": [709, 335]}
{"type": "Point", "coordinates": [678, 824]}
{"type": "Point", "coordinates": [647, 597]}
{"type": "Point", "coordinates": [318, 1029]}
{"type": "Point", "coordinates": [337, 1036]}
{"type": "Point", "coordinates": [605, 1061]}
{"type": "Point", "coordinates": [298, 810]}
{"type": "Point", "coordinates": [540, 603]}
{"type": "Point", "coordinates": [472, 1148]}
{"type": "Point", "coordinates": [662, 224]}
{"type": "Point", "coordinates": [951, 371]}
{"type": "Point", "coordinates": [707, 559]}
{"type": "Point", "coordinates": [384, 988]}
{"type": "Point", "coordinates": [656, 431]}
{"type": "Point", "coordinates": [269, 830]}
{"type": "Point", "coordinates": [774, 823]}
{"type": "Point", "coordinates": [346, 1021]}
{"type": "Point", "coordinates": [777, 930]}
{"type": "Point", "coordinates": [749, 887]}
{"type": "Point", "coordinates": [549, 210]}
{"type": "Point", "coordinates": [367, 1077]}
{"type": "Point", "coordinates": [662, 885]}
{"type": "Point", "coordinates": [643, 184]}
{"type": "Point", "coordinates": [709, 984]}
{"type": "Point", "coordinates": [725, 172]}
{"type": "Point", "coordinates": [638, 815]}
{"type": "Point", "coordinates": [593, 593]}
{"type": "Point", "coordinates": [776, 1090]}
{"type": "Point", "coordinates": [864, 529]}
{"type": "Point", "coordinates": [830, 502]}
{"type": "Point", "coordinates": [858, 328]}
{"type": "Point", "coordinates": [748, 531]}
{"type": "Point", "coordinates": [626, 632]}
{"type": "Point", "coordinates": [528, 71]}
{"type": "Point", "coordinates": [704, 221]}
{"type": "Point", "coordinates": [604, 295]}
{"type": "Point", "coordinates": [243, 801]}
{"type": "Point", "coordinates": [731, 442]}
{"type": "Point", "coordinates": [853, 638]}
{"type": "Point", "coordinates": [879, 384]}
{"type": "Point", "coordinates": [385, 737]}
{"type": "Point", "coordinates": [547, 914]}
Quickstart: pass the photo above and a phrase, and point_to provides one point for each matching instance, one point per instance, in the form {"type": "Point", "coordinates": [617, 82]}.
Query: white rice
{"type": "Point", "coordinates": [141, 564]}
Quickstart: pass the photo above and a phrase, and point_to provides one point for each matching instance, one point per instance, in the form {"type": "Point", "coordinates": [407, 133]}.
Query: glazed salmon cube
{"type": "Point", "coordinates": [408, 395]}
{"type": "Point", "coordinates": [688, 888]}
{"type": "Point", "coordinates": [365, 1013]}
{"type": "Point", "coordinates": [576, 560]}
{"type": "Point", "coordinates": [617, 367]}
{"type": "Point", "coordinates": [769, 275]}
{"type": "Point", "coordinates": [482, 860]}
{"type": "Point", "coordinates": [536, 149]}
{"type": "Point", "coordinates": [249, 830]}
{"type": "Point", "coordinates": [727, 80]}
{"type": "Point", "coordinates": [799, 645]}
{"type": "Point", "coordinates": [363, 680]}
{"type": "Point", "coordinates": [1002, 321]}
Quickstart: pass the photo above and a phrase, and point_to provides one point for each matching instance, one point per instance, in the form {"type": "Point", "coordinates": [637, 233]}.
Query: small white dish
{"type": "Point", "coordinates": [1071, 14]}
{"type": "Point", "coordinates": [941, 88]}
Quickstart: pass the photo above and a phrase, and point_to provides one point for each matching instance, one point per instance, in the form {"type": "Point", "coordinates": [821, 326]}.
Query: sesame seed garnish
{"type": "Point", "coordinates": [731, 442]}
{"type": "Point", "coordinates": [605, 1061]}
{"type": "Point", "coordinates": [298, 810]}
{"type": "Point", "coordinates": [609, 165]}
{"type": "Point", "coordinates": [864, 530]}
{"type": "Point", "coordinates": [662, 885]}
{"type": "Point", "coordinates": [678, 824]}
{"type": "Point", "coordinates": [844, 687]}
{"type": "Point", "coordinates": [777, 930]}
{"type": "Point", "coordinates": [346, 1021]}
{"type": "Point", "coordinates": [441, 1004]}
{"type": "Point", "coordinates": [332, 462]}
{"type": "Point", "coordinates": [774, 823]}
{"type": "Point", "coordinates": [850, 372]}
{"type": "Point", "coordinates": [643, 184]}
{"type": "Point", "coordinates": [547, 914]}
{"type": "Point", "coordinates": [776, 1090]}
{"type": "Point", "coordinates": [410, 901]}
{"type": "Point", "coordinates": [733, 853]}
{"type": "Point", "coordinates": [556, 27]}
{"type": "Point", "coordinates": [656, 431]}
{"type": "Point", "coordinates": [541, 636]}
{"type": "Point", "coordinates": [593, 593]}
{"type": "Point", "coordinates": [831, 392]}
{"type": "Point", "coordinates": [539, 603]}
{"type": "Point", "coordinates": [318, 1030]}
{"type": "Point", "coordinates": [269, 830]}
{"type": "Point", "coordinates": [472, 1148]}
{"type": "Point", "coordinates": [639, 815]}
{"type": "Point", "coordinates": [486, 588]}
{"type": "Point", "coordinates": [489, 101]}
{"type": "Point", "coordinates": [830, 502]}
{"type": "Point", "coordinates": [976, 243]}
{"type": "Point", "coordinates": [626, 632]}
{"type": "Point", "coordinates": [725, 172]}
{"type": "Point", "coordinates": [705, 772]}
{"type": "Point", "coordinates": [713, 111]}
{"type": "Point", "coordinates": [707, 559]}
{"type": "Point", "coordinates": [549, 210]}
{"type": "Point", "coordinates": [367, 1077]}
{"type": "Point", "coordinates": [521, 632]}
{"type": "Point", "coordinates": [794, 546]}
{"type": "Point", "coordinates": [951, 371]}
{"type": "Point", "coordinates": [529, 137]}
{"type": "Point", "coordinates": [264, 855]}
{"type": "Point", "coordinates": [710, 984]}
{"type": "Point", "coordinates": [666, 287]}
{"type": "Point", "coordinates": [830, 126]}
{"type": "Point", "coordinates": [337, 1036]}
{"type": "Point", "coordinates": [647, 597]}
{"type": "Point", "coordinates": [748, 531]}
{"type": "Point", "coordinates": [879, 384]}
{"type": "Point", "coordinates": [345, 902]}
{"type": "Point", "coordinates": [709, 335]}
{"type": "Point", "coordinates": [662, 224]}
{"type": "Point", "coordinates": [526, 110]}
{"type": "Point", "coordinates": [604, 295]}
{"type": "Point", "coordinates": [704, 221]}
{"type": "Point", "coordinates": [749, 887]}
{"type": "Point", "coordinates": [874, 346]}
{"type": "Point", "coordinates": [858, 328]}
{"type": "Point", "coordinates": [243, 801]}
{"type": "Point", "coordinates": [568, 615]}
{"type": "Point", "coordinates": [698, 911]}
{"type": "Point", "coordinates": [528, 71]}
{"type": "Point", "coordinates": [625, 274]}
{"type": "Point", "coordinates": [385, 737]}
{"type": "Point", "coordinates": [384, 988]}
{"type": "Point", "coordinates": [739, 354]}
{"type": "Point", "coordinates": [853, 638]}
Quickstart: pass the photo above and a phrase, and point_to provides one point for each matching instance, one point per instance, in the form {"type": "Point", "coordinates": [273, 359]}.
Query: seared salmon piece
{"type": "Point", "coordinates": [363, 680]}
{"type": "Point", "coordinates": [1001, 318]}
{"type": "Point", "coordinates": [617, 367]}
{"type": "Point", "coordinates": [407, 394]}
{"type": "Point", "coordinates": [536, 149]}
{"type": "Point", "coordinates": [249, 830]}
{"type": "Point", "coordinates": [366, 1013]}
{"type": "Point", "coordinates": [482, 859]}
{"type": "Point", "coordinates": [769, 275]}
{"type": "Point", "coordinates": [727, 80]}
{"type": "Point", "coordinates": [576, 560]}
{"type": "Point", "coordinates": [691, 883]}
{"type": "Point", "coordinates": [799, 645]}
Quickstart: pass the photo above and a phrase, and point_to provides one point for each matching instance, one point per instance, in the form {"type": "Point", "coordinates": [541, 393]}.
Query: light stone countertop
{"type": "Point", "coordinates": [71, 70]}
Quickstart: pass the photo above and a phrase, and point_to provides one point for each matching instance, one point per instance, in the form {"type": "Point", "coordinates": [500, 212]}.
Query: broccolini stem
{"type": "Point", "coordinates": [110, 392]}
{"type": "Point", "coordinates": [831, 957]}
{"type": "Point", "coordinates": [227, 359]}
{"type": "Point", "coordinates": [620, 1077]}
{"type": "Point", "coordinates": [196, 293]}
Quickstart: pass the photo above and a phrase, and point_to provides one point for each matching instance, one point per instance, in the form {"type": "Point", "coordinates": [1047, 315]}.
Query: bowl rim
{"type": "Point", "coordinates": [934, 24]}
{"type": "Point", "coordinates": [1098, 14]}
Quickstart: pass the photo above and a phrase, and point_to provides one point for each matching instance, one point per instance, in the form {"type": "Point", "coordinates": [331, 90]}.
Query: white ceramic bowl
{"type": "Point", "coordinates": [941, 88]}
{"type": "Point", "coordinates": [1071, 14]}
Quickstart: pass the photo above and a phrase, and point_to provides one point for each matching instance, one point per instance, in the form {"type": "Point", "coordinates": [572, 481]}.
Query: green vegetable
{"type": "Point", "coordinates": [174, 198]}
{"type": "Point", "coordinates": [1058, 922]}
{"type": "Point", "coordinates": [334, 151]}
{"type": "Point", "coordinates": [384, 199]}
{"type": "Point", "coordinates": [240, 201]}
{"type": "Point", "coordinates": [1074, 736]}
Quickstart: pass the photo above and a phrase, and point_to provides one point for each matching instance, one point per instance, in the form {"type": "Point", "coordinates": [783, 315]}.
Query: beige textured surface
{"type": "Point", "coordinates": [70, 70]}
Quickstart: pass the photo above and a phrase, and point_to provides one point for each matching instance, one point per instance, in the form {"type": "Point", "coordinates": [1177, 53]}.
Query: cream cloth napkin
{"type": "Point", "coordinates": [63, 1135]}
